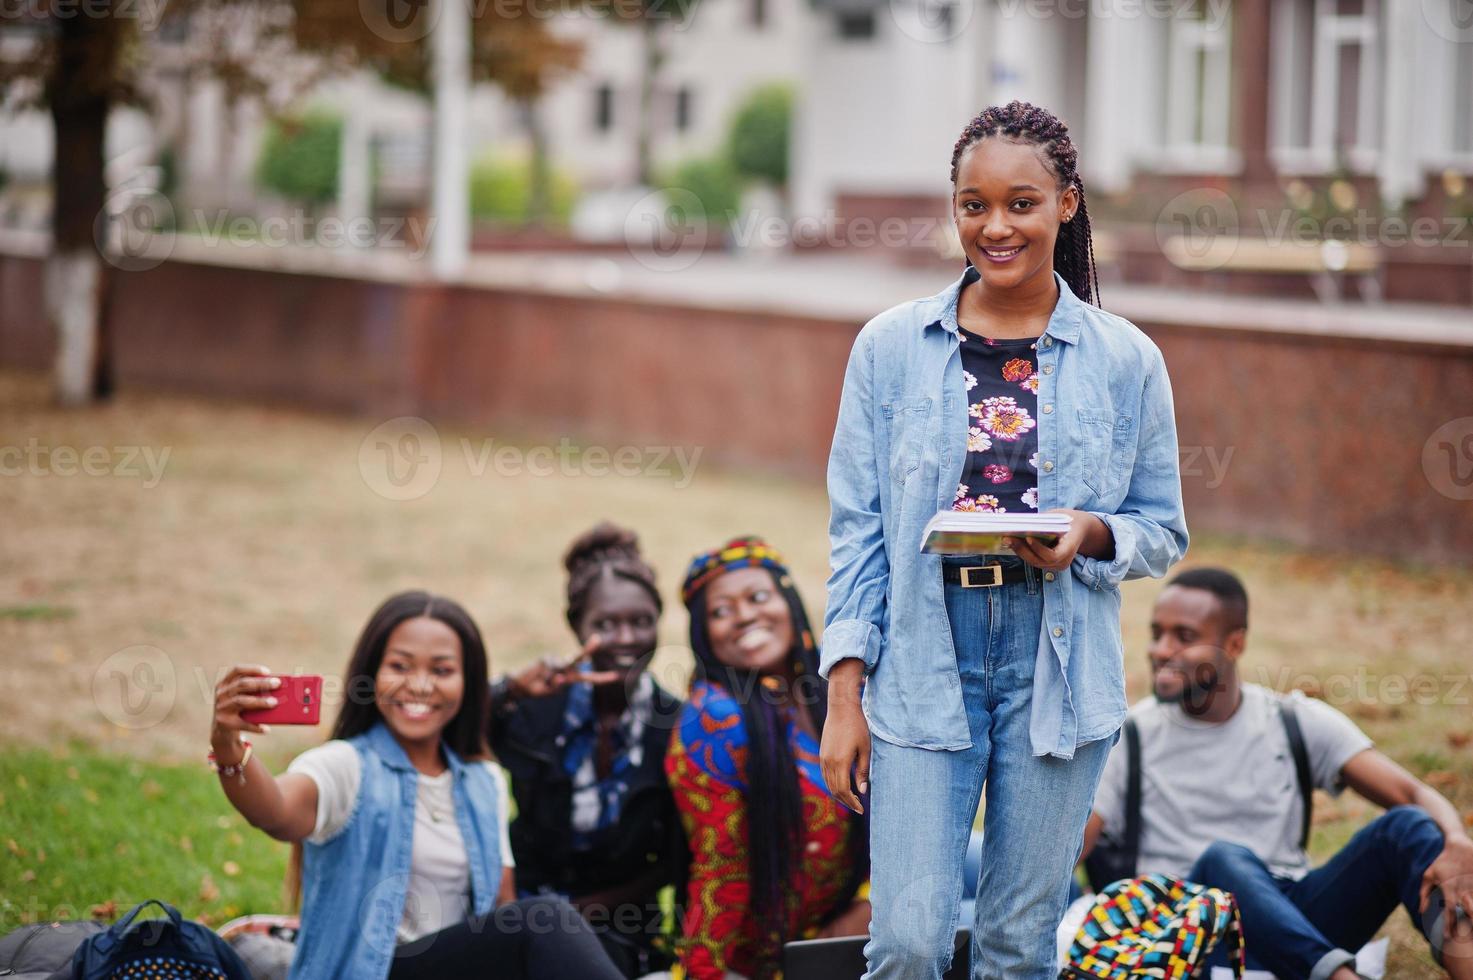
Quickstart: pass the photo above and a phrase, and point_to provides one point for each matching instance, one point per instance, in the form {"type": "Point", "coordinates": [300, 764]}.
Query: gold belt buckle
{"type": "Point", "coordinates": [967, 571]}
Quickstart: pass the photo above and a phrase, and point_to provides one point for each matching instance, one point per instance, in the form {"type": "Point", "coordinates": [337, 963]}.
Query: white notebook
{"type": "Point", "coordinates": [965, 532]}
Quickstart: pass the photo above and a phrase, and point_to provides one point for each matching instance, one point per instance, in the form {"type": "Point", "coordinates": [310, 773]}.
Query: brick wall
{"type": "Point", "coordinates": [1311, 439]}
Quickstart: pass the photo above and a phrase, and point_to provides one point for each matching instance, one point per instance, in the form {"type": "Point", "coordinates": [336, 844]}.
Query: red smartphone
{"type": "Point", "coordinates": [298, 702]}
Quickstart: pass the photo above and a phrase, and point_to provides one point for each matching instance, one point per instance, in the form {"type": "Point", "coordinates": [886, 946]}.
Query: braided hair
{"type": "Point", "coordinates": [1074, 255]}
{"type": "Point", "coordinates": [775, 818]}
{"type": "Point", "coordinates": [606, 549]}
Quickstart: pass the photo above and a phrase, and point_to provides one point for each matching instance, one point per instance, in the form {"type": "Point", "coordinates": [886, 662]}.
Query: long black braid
{"type": "Point", "coordinates": [1074, 254]}
{"type": "Point", "coordinates": [774, 802]}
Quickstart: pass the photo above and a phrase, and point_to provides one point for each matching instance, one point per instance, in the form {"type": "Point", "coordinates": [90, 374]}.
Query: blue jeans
{"type": "Point", "coordinates": [923, 803]}
{"type": "Point", "coordinates": [1313, 926]}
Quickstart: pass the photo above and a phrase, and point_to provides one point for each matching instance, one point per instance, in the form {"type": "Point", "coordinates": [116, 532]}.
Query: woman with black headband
{"type": "Point", "coordinates": [585, 743]}
{"type": "Point", "coordinates": [774, 857]}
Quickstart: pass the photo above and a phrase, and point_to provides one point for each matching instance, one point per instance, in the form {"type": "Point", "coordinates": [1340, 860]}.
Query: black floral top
{"type": "Point", "coordinates": [1000, 475]}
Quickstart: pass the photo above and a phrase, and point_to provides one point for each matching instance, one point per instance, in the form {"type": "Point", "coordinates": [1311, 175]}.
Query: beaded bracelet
{"type": "Point", "coordinates": [236, 770]}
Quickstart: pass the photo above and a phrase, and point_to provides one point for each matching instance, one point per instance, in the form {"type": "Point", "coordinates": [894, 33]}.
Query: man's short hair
{"type": "Point", "coordinates": [1228, 588]}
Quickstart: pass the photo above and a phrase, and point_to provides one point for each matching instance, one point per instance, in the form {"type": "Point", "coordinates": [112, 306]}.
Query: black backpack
{"type": "Point", "coordinates": [166, 949]}
{"type": "Point", "coordinates": [1113, 860]}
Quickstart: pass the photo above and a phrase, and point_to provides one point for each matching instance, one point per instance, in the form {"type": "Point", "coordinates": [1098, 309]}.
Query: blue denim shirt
{"type": "Point", "coordinates": [1107, 445]}
{"type": "Point", "coordinates": [354, 885]}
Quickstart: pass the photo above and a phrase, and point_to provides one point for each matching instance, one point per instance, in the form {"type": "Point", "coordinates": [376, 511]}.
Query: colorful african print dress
{"type": "Point", "coordinates": [706, 765]}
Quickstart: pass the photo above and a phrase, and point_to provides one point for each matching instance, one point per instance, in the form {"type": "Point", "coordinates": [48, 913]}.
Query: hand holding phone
{"type": "Point", "coordinates": [298, 702]}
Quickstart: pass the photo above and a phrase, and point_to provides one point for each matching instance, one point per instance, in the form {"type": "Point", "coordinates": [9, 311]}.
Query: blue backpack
{"type": "Point", "coordinates": [157, 949]}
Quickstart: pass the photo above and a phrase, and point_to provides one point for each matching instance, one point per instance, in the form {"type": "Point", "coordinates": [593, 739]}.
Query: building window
{"type": "Point", "coordinates": [1326, 71]}
{"type": "Point", "coordinates": [682, 109]}
{"type": "Point", "coordinates": [1198, 86]}
{"type": "Point", "coordinates": [855, 25]}
{"type": "Point", "coordinates": [758, 10]}
{"type": "Point", "coordinates": [603, 108]}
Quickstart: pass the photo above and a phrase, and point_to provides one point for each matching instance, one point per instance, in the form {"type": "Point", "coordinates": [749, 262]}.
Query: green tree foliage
{"type": "Point", "coordinates": [758, 141]}
{"type": "Point", "coordinates": [708, 187]}
{"type": "Point", "coordinates": [501, 191]}
{"type": "Point", "coordinates": [300, 157]}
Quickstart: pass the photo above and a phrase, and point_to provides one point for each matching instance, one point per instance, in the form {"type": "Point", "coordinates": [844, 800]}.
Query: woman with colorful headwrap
{"type": "Point", "coordinates": [773, 857]}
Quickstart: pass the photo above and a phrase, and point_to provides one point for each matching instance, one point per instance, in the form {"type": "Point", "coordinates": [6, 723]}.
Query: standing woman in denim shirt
{"type": "Point", "coordinates": [1009, 391]}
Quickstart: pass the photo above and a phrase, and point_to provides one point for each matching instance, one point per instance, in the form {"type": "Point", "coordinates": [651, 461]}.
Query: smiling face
{"type": "Point", "coordinates": [421, 681]}
{"type": "Point", "coordinates": [748, 622]}
{"type": "Point", "coordinates": [1008, 208]}
{"type": "Point", "coordinates": [1193, 655]}
{"type": "Point", "coordinates": [623, 615]}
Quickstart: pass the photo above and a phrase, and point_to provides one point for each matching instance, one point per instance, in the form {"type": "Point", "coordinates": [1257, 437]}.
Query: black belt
{"type": "Point", "coordinates": [983, 575]}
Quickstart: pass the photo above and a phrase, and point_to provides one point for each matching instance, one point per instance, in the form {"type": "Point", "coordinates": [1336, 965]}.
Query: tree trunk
{"type": "Point", "coordinates": [79, 94]}
{"type": "Point", "coordinates": [539, 187]}
{"type": "Point", "coordinates": [654, 59]}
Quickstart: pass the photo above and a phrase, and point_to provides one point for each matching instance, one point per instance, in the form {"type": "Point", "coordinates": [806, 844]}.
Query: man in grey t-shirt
{"type": "Point", "coordinates": [1220, 802]}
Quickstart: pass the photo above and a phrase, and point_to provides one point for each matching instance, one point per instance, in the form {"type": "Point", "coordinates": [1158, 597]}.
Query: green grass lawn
{"type": "Point", "coordinates": [86, 833]}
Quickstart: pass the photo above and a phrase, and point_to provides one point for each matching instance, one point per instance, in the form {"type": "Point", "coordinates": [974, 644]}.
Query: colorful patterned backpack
{"type": "Point", "coordinates": [1155, 926]}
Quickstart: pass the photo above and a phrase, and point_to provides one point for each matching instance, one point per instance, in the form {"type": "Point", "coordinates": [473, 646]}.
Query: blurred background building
{"type": "Point", "coordinates": [1280, 191]}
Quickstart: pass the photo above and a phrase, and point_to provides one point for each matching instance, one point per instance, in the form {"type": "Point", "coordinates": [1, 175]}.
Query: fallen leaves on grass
{"type": "Point", "coordinates": [230, 868]}
{"type": "Point", "coordinates": [208, 890]}
{"type": "Point", "coordinates": [1441, 779]}
{"type": "Point", "coordinates": [1458, 740]}
{"type": "Point", "coordinates": [104, 910]}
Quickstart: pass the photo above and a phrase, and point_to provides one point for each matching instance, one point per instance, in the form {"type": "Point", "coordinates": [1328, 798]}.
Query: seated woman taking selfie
{"type": "Point", "coordinates": [585, 745]}
{"type": "Point", "coordinates": [773, 856]}
{"type": "Point", "coordinates": [401, 818]}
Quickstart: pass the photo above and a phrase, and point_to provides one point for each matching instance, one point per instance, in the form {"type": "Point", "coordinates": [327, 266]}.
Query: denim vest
{"type": "Point", "coordinates": [1106, 445]}
{"type": "Point", "coordinates": [354, 886]}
